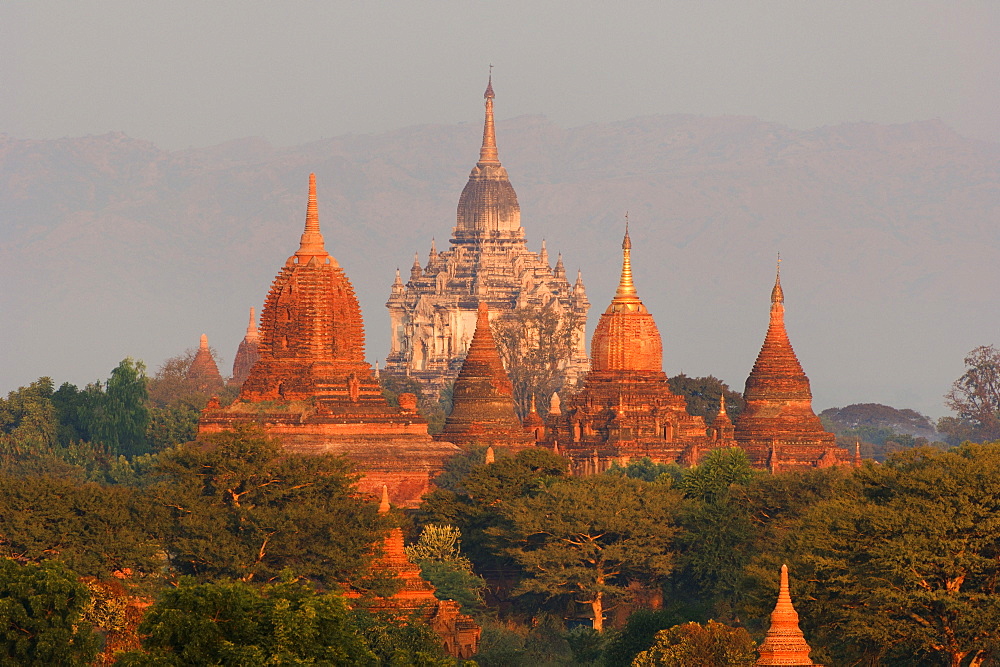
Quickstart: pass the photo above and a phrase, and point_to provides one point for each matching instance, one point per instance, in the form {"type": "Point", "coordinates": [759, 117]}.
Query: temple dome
{"type": "Point", "coordinates": [488, 203]}
{"type": "Point", "coordinates": [626, 337]}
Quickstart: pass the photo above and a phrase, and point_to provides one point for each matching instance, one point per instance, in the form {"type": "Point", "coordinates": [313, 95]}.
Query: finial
{"type": "Point", "coordinates": [311, 242]}
{"type": "Point", "coordinates": [491, 456]}
{"type": "Point", "coordinates": [383, 507]}
{"type": "Point", "coordinates": [376, 369]}
{"type": "Point", "coordinates": [626, 288]}
{"type": "Point", "coordinates": [203, 344]}
{"type": "Point", "coordinates": [488, 153]}
{"type": "Point", "coordinates": [784, 597]}
{"type": "Point", "coordinates": [722, 403]}
{"type": "Point", "coordinates": [777, 294]}
{"type": "Point", "coordinates": [398, 282]}
{"type": "Point", "coordinates": [252, 326]}
{"type": "Point", "coordinates": [533, 410]}
{"type": "Point", "coordinates": [434, 251]}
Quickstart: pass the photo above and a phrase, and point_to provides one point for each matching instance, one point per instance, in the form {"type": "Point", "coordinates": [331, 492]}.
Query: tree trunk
{"type": "Point", "coordinates": [597, 604]}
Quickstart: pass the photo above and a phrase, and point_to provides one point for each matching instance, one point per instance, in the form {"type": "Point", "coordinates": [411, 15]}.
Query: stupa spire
{"type": "Point", "coordinates": [488, 153]}
{"type": "Point", "coordinates": [311, 243]}
{"type": "Point", "coordinates": [784, 643]}
{"type": "Point", "coordinates": [383, 506]}
{"type": "Point", "coordinates": [626, 288]}
{"type": "Point", "coordinates": [252, 327]}
{"type": "Point", "coordinates": [203, 343]}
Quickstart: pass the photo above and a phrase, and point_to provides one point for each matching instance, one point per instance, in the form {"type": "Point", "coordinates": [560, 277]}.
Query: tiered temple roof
{"type": "Point", "coordinates": [433, 315]}
{"type": "Point", "coordinates": [778, 427]}
{"type": "Point", "coordinates": [247, 354]}
{"type": "Point", "coordinates": [626, 409]}
{"type": "Point", "coordinates": [203, 371]}
{"type": "Point", "coordinates": [784, 643]}
{"type": "Point", "coordinates": [483, 397]}
{"type": "Point", "coordinates": [311, 386]}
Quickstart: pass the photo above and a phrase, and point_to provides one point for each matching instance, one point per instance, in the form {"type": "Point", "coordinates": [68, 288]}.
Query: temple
{"type": "Point", "coordinates": [433, 315]}
{"type": "Point", "coordinates": [626, 409]}
{"type": "Point", "coordinates": [778, 428]}
{"type": "Point", "coordinates": [483, 397]}
{"type": "Point", "coordinates": [313, 390]}
{"type": "Point", "coordinates": [784, 643]}
{"type": "Point", "coordinates": [203, 373]}
{"type": "Point", "coordinates": [246, 354]}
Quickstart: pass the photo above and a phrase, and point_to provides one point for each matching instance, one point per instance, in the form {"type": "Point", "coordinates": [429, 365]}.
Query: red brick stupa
{"type": "Point", "coordinates": [311, 386]}
{"type": "Point", "coordinates": [415, 597]}
{"type": "Point", "coordinates": [778, 423]}
{"type": "Point", "coordinates": [483, 398]}
{"type": "Point", "coordinates": [784, 644]}
{"type": "Point", "coordinates": [246, 354]}
{"type": "Point", "coordinates": [203, 372]}
{"type": "Point", "coordinates": [626, 409]}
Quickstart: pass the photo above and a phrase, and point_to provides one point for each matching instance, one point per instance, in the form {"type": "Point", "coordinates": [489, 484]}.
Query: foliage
{"type": "Point", "coordinates": [120, 415]}
{"type": "Point", "coordinates": [637, 635]}
{"type": "Point", "coordinates": [441, 563]}
{"type": "Point", "coordinates": [535, 344]}
{"type": "Point", "coordinates": [434, 410]}
{"type": "Point", "coordinates": [510, 644]}
{"type": "Point", "coordinates": [233, 623]}
{"type": "Point", "coordinates": [648, 471]}
{"type": "Point", "coordinates": [240, 507]}
{"type": "Point", "coordinates": [587, 538]}
{"type": "Point", "coordinates": [702, 395]}
{"type": "Point", "coordinates": [711, 479]}
{"type": "Point", "coordinates": [28, 419]}
{"type": "Point", "coordinates": [41, 609]}
{"type": "Point", "coordinates": [975, 397]}
{"type": "Point", "coordinates": [908, 559]}
{"type": "Point", "coordinates": [176, 401]}
{"type": "Point", "coordinates": [401, 642]}
{"type": "Point", "coordinates": [695, 645]}
{"type": "Point", "coordinates": [94, 529]}
{"type": "Point", "coordinates": [474, 503]}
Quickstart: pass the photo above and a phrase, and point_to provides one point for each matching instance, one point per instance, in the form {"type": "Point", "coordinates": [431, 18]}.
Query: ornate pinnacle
{"type": "Point", "coordinates": [311, 243]}
{"type": "Point", "coordinates": [203, 343]}
{"type": "Point", "coordinates": [777, 294]}
{"type": "Point", "coordinates": [252, 327]}
{"type": "Point", "coordinates": [488, 153]}
{"type": "Point", "coordinates": [626, 288]}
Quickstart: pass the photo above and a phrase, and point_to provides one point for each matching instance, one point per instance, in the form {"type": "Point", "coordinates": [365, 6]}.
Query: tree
{"type": "Point", "coordinates": [587, 538]}
{"type": "Point", "coordinates": [905, 561]}
{"type": "Point", "coordinates": [696, 645]}
{"type": "Point", "coordinates": [241, 507]}
{"type": "Point", "coordinates": [438, 554]}
{"type": "Point", "coordinates": [119, 415]}
{"type": "Point", "coordinates": [232, 623]}
{"type": "Point", "coordinates": [976, 397]}
{"type": "Point", "coordinates": [28, 419]}
{"type": "Point", "coordinates": [702, 395]}
{"type": "Point", "coordinates": [535, 344]}
{"type": "Point", "coordinates": [41, 610]}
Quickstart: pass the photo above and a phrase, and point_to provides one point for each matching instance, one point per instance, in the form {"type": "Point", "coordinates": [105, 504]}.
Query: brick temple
{"type": "Point", "coordinates": [483, 397]}
{"type": "Point", "coordinates": [311, 386]}
{"type": "Point", "coordinates": [246, 354]}
{"type": "Point", "coordinates": [778, 428]}
{"type": "Point", "coordinates": [626, 409]}
{"type": "Point", "coordinates": [433, 315]}
{"type": "Point", "coordinates": [203, 372]}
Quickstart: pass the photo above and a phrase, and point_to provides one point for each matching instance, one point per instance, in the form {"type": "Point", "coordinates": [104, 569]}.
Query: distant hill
{"type": "Point", "coordinates": [889, 238]}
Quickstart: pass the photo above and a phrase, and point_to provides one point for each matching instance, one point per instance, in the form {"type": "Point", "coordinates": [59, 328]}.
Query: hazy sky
{"type": "Point", "coordinates": [185, 74]}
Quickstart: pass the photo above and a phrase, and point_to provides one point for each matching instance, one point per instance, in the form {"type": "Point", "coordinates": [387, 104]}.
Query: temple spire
{"type": "Point", "coordinates": [784, 643]}
{"type": "Point", "coordinates": [777, 294]}
{"type": "Point", "coordinates": [203, 343]}
{"type": "Point", "coordinates": [488, 153]}
{"type": "Point", "coordinates": [311, 243]}
{"type": "Point", "coordinates": [252, 327]}
{"type": "Point", "coordinates": [626, 288]}
{"type": "Point", "coordinates": [383, 507]}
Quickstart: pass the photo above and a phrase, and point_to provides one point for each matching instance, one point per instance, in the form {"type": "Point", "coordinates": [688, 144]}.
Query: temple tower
{"type": "Point", "coordinates": [433, 315]}
{"type": "Point", "coordinates": [626, 409]}
{"type": "Point", "coordinates": [483, 399]}
{"type": "Point", "coordinates": [203, 371]}
{"type": "Point", "coordinates": [246, 355]}
{"type": "Point", "coordinates": [778, 416]}
{"type": "Point", "coordinates": [784, 643]}
{"type": "Point", "coordinates": [311, 386]}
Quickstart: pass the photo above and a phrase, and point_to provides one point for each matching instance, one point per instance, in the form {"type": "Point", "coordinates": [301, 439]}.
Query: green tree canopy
{"type": "Point", "coordinates": [696, 645]}
{"type": "Point", "coordinates": [905, 561]}
{"type": "Point", "coordinates": [975, 397]}
{"type": "Point", "coordinates": [588, 537]}
{"type": "Point", "coordinates": [232, 623]}
{"type": "Point", "coordinates": [438, 553]}
{"type": "Point", "coordinates": [241, 507]}
{"type": "Point", "coordinates": [702, 395]}
{"type": "Point", "coordinates": [41, 610]}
